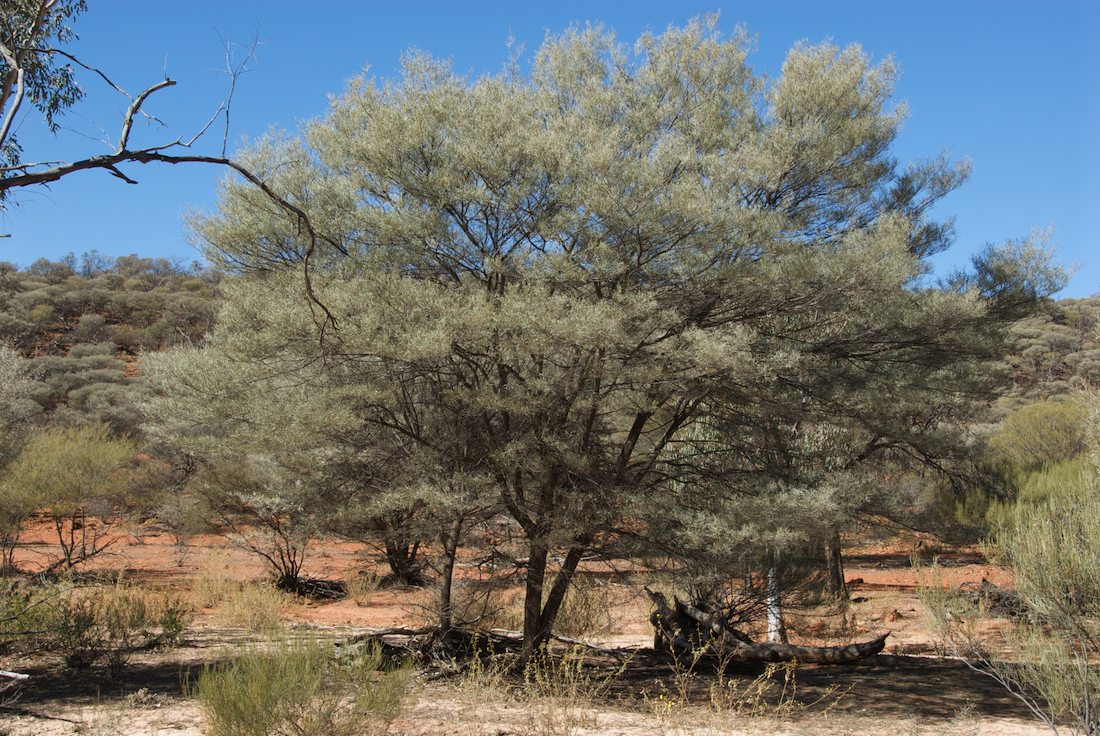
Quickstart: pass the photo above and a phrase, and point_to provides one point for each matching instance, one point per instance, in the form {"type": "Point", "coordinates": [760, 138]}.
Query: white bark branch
{"type": "Point", "coordinates": [135, 106]}
{"type": "Point", "coordinates": [9, 118]}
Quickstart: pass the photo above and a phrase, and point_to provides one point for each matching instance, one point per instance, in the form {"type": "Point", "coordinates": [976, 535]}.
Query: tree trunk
{"type": "Point", "coordinates": [450, 537]}
{"type": "Point", "coordinates": [532, 598]}
{"type": "Point", "coordinates": [538, 616]}
{"type": "Point", "coordinates": [556, 596]}
{"type": "Point", "coordinates": [7, 554]}
{"type": "Point", "coordinates": [401, 558]}
{"type": "Point", "coordinates": [835, 562]}
{"type": "Point", "coordinates": [777, 630]}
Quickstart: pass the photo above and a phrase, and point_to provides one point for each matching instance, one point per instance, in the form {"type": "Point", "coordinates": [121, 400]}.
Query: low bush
{"type": "Point", "coordinates": [301, 688]}
{"type": "Point", "coordinates": [106, 625]}
{"type": "Point", "coordinates": [360, 587]}
{"type": "Point", "coordinates": [253, 606]}
{"type": "Point", "coordinates": [23, 616]}
{"type": "Point", "coordinates": [88, 626]}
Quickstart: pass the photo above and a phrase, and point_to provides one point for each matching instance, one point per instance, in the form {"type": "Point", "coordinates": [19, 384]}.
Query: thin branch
{"type": "Point", "coordinates": [155, 154]}
{"type": "Point", "coordinates": [102, 75]}
{"type": "Point", "coordinates": [25, 167]}
{"type": "Point", "coordinates": [110, 163]}
{"type": "Point", "coordinates": [234, 72]}
{"type": "Point", "coordinates": [135, 106]}
{"type": "Point", "coordinates": [49, 50]}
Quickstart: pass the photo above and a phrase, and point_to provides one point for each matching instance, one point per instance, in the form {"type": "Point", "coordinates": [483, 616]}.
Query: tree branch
{"type": "Point", "coordinates": [135, 106]}
{"type": "Point", "coordinates": [154, 154]}
{"type": "Point", "coordinates": [20, 92]}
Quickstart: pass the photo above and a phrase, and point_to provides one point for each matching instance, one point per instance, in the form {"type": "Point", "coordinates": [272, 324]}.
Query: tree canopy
{"type": "Point", "coordinates": [635, 295]}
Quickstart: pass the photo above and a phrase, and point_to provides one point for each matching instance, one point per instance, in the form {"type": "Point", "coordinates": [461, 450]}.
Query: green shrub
{"type": "Point", "coordinates": [1049, 543]}
{"type": "Point", "coordinates": [301, 688]}
{"type": "Point", "coordinates": [73, 473]}
{"type": "Point", "coordinates": [127, 338]}
{"type": "Point", "coordinates": [106, 625]}
{"type": "Point", "coordinates": [91, 328]}
{"type": "Point", "coordinates": [23, 617]}
{"type": "Point", "coordinates": [174, 619]}
{"type": "Point", "coordinates": [16, 331]}
{"type": "Point", "coordinates": [1042, 433]}
{"type": "Point", "coordinates": [42, 315]}
{"type": "Point", "coordinates": [89, 626]}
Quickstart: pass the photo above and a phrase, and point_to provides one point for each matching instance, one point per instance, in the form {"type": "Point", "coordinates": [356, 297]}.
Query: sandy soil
{"type": "Point", "coordinates": [894, 693]}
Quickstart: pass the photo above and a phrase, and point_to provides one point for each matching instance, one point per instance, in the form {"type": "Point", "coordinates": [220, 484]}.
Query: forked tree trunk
{"type": "Point", "coordinates": [401, 556]}
{"type": "Point", "coordinates": [538, 616]}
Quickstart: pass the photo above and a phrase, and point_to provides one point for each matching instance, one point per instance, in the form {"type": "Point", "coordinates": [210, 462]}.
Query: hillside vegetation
{"type": "Point", "coordinates": [83, 323]}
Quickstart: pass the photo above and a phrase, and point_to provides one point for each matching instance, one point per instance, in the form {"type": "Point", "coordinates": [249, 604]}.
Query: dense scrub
{"type": "Point", "coordinates": [82, 322]}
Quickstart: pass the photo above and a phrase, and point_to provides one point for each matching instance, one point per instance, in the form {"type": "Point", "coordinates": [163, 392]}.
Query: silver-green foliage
{"type": "Point", "coordinates": [541, 282]}
{"type": "Point", "coordinates": [1053, 552]}
{"type": "Point", "coordinates": [16, 405]}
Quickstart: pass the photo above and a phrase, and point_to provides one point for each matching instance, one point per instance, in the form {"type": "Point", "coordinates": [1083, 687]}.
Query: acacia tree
{"type": "Point", "coordinates": [567, 271]}
{"type": "Point", "coordinates": [74, 474]}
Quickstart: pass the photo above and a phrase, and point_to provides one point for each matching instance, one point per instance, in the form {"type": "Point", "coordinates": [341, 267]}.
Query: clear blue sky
{"type": "Point", "coordinates": [1013, 84]}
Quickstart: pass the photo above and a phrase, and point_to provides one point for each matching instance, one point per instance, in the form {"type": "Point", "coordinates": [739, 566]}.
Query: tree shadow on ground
{"type": "Point", "coordinates": [884, 686]}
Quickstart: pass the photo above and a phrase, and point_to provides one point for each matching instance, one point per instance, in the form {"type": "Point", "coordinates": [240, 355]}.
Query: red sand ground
{"type": "Point", "coordinates": [883, 581]}
{"type": "Point", "coordinates": [890, 695]}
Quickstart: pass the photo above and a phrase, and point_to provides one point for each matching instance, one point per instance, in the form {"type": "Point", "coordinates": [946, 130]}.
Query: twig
{"type": "Point", "coordinates": [101, 74]}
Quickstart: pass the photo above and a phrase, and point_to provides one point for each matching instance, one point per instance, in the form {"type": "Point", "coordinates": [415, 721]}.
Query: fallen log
{"type": "Point", "coordinates": [430, 645]}
{"type": "Point", "coordinates": [690, 631]}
